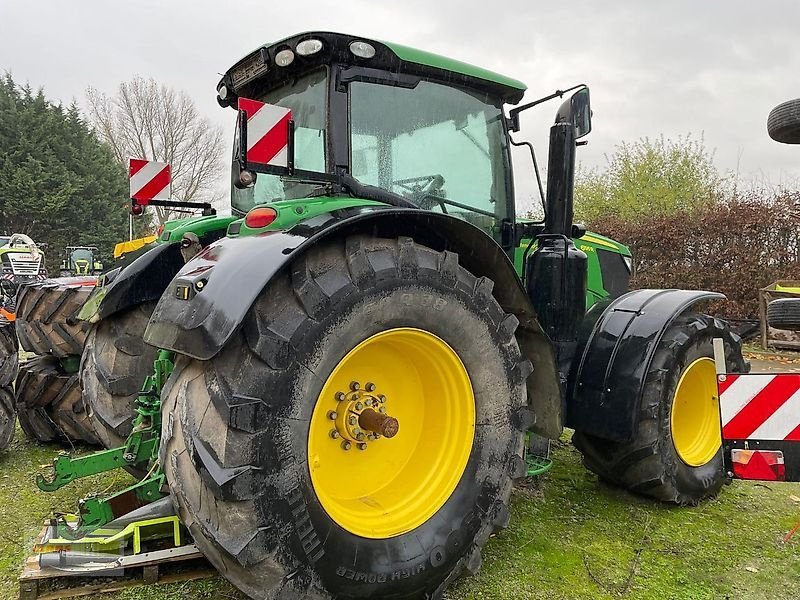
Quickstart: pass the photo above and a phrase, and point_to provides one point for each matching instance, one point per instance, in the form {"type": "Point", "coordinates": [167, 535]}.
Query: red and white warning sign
{"type": "Point", "coordinates": [267, 132]}
{"type": "Point", "coordinates": [149, 180]}
{"type": "Point", "coordinates": [760, 406]}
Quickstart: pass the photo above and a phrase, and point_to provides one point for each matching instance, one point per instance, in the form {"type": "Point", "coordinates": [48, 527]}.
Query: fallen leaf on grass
{"type": "Point", "coordinates": [751, 569]}
{"type": "Point", "coordinates": [794, 498]}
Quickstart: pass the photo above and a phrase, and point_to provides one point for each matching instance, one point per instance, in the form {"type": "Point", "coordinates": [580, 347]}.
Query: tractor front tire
{"type": "Point", "coordinates": [783, 123]}
{"type": "Point", "coordinates": [114, 365]}
{"type": "Point", "coordinates": [282, 497]}
{"type": "Point", "coordinates": [48, 403]}
{"type": "Point", "coordinates": [676, 454]}
{"type": "Point", "coordinates": [47, 316]}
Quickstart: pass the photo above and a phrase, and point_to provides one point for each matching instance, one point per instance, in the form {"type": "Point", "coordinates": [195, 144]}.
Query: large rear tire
{"type": "Point", "coordinates": [114, 365]}
{"type": "Point", "coordinates": [47, 316]}
{"type": "Point", "coordinates": [49, 405]}
{"type": "Point", "coordinates": [258, 476]}
{"type": "Point", "coordinates": [676, 455]}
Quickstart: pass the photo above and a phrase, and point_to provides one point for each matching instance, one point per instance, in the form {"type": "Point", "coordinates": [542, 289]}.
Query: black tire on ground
{"type": "Point", "coordinates": [49, 405]}
{"type": "Point", "coordinates": [235, 429]}
{"type": "Point", "coordinates": [9, 357]}
{"type": "Point", "coordinates": [114, 365]}
{"type": "Point", "coordinates": [784, 313]}
{"type": "Point", "coordinates": [649, 464]}
{"type": "Point", "coordinates": [47, 316]}
{"type": "Point", "coordinates": [8, 417]}
{"type": "Point", "coordinates": [783, 123]}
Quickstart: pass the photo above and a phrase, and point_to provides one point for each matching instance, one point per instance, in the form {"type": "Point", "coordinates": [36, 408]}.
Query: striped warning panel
{"type": "Point", "coordinates": [760, 406]}
{"type": "Point", "coordinates": [149, 180]}
{"type": "Point", "coordinates": [267, 132]}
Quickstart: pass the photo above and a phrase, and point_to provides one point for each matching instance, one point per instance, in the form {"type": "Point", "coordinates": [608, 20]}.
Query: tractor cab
{"type": "Point", "coordinates": [384, 122]}
{"type": "Point", "coordinates": [80, 261]}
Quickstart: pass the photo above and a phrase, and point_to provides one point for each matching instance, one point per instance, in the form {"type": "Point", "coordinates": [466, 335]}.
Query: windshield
{"type": "Point", "coordinates": [3, 240]}
{"type": "Point", "coordinates": [440, 146]}
{"type": "Point", "coordinates": [81, 255]}
{"type": "Point", "coordinates": [306, 97]}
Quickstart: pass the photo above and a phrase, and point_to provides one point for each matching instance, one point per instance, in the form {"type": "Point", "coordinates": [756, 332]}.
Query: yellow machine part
{"type": "Point", "coordinates": [133, 245]}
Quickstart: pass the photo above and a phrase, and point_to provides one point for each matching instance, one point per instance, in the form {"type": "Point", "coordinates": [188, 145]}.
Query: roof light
{"type": "Point", "coordinates": [260, 217]}
{"type": "Point", "coordinates": [223, 92]}
{"type": "Point", "coordinates": [308, 47]}
{"type": "Point", "coordinates": [362, 49]}
{"type": "Point", "coordinates": [284, 58]}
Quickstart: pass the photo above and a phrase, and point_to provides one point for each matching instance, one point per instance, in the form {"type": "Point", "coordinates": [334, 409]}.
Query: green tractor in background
{"type": "Point", "coordinates": [347, 368]}
{"type": "Point", "coordinates": [81, 261]}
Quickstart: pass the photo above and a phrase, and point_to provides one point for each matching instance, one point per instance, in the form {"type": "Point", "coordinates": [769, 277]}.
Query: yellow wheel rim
{"type": "Point", "coordinates": [377, 486]}
{"type": "Point", "coordinates": [695, 420]}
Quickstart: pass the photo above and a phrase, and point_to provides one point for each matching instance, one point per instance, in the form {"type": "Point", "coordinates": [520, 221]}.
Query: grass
{"type": "Point", "coordinates": [570, 537]}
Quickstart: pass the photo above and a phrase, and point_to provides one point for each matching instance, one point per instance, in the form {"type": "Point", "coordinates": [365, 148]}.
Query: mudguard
{"type": "Point", "coordinates": [142, 280]}
{"type": "Point", "coordinates": [210, 296]}
{"type": "Point", "coordinates": [617, 341]}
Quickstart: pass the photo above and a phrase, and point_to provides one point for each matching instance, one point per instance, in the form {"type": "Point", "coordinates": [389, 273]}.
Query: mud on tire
{"type": "Point", "coordinates": [649, 464]}
{"type": "Point", "coordinates": [47, 316]}
{"type": "Point", "coordinates": [9, 355]}
{"type": "Point", "coordinates": [114, 365]}
{"type": "Point", "coordinates": [235, 429]}
{"type": "Point", "coordinates": [48, 403]}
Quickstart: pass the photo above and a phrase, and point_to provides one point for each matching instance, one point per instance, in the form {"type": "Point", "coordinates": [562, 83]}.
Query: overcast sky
{"type": "Point", "coordinates": [713, 68]}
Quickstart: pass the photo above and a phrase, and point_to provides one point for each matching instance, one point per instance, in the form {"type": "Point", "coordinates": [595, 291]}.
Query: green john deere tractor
{"type": "Point", "coordinates": [346, 376]}
{"type": "Point", "coordinates": [81, 261]}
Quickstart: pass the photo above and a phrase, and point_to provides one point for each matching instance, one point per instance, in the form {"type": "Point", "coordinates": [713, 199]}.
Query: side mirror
{"type": "Point", "coordinates": [577, 110]}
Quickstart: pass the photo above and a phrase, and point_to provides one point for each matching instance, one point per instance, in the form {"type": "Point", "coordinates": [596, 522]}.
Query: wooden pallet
{"type": "Point", "coordinates": [184, 563]}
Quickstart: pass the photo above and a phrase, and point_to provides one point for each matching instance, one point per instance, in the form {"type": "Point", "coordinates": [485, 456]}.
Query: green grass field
{"type": "Point", "coordinates": [570, 537]}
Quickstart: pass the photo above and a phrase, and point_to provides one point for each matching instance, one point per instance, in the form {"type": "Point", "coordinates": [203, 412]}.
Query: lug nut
{"type": "Point", "coordinates": [352, 420]}
{"type": "Point", "coordinates": [334, 434]}
{"type": "Point", "coordinates": [381, 398]}
{"type": "Point", "coordinates": [359, 406]}
{"type": "Point", "coordinates": [372, 437]}
{"type": "Point", "coordinates": [332, 415]}
{"type": "Point", "coordinates": [340, 396]}
{"type": "Point", "coordinates": [346, 445]}
{"type": "Point", "coordinates": [382, 410]}
{"type": "Point", "coordinates": [360, 437]}
{"type": "Point", "coordinates": [362, 446]}
{"type": "Point", "coordinates": [354, 385]}
{"type": "Point", "coordinates": [370, 387]}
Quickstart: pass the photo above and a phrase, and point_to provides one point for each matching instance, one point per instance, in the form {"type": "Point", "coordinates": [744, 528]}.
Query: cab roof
{"type": "Point", "coordinates": [260, 64]}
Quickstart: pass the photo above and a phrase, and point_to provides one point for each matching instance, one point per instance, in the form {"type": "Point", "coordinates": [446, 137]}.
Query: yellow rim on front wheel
{"type": "Point", "coordinates": [695, 420]}
{"type": "Point", "coordinates": [391, 433]}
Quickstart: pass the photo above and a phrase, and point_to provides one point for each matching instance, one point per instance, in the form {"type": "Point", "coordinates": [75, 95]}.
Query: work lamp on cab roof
{"type": "Point", "coordinates": [308, 47]}
{"type": "Point", "coordinates": [362, 49]}
{"type": "Point", "coordinates": [284, 58]}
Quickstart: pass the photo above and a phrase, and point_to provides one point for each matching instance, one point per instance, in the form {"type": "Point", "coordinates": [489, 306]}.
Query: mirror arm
{"type": "Point", "coordinates": [513, 114]}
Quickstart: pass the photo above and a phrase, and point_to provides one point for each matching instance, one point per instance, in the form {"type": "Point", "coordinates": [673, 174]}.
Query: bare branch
{"type": "Point", "coordinates": [156, 122]}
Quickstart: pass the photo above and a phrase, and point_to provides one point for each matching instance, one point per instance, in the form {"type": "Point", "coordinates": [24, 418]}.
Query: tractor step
{"type": "Point", "coordinates": [537, 455]}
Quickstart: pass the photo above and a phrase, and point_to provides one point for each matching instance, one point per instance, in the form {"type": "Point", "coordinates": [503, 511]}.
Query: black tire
{"type": "Point", "coordinates": [783, 123]}
{"type": "Point", "coordinates": [49, 405]}
{"type": "Point", "coordinates": [9, 357]}
{"type": "Point", "coordinates": [649, 464]}
{"type": "Point", "coordinates": [784, 313]}
{"type": "Point", "coordinates": [8, 417]}
{"type": "Point", "coordinates": [235, 427]}
{"type": "Point", "coordinates": [47, 316]}
{"type": "Point", "coordinates": [114, 365]}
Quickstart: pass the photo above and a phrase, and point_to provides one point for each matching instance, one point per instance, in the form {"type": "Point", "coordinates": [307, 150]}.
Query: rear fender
{"type": "Point", "coordinates": [210, 296]}
{"type": "Point", "coordinates": [142, 280]}
{"type": "Point", "coordinates": [617, 341]}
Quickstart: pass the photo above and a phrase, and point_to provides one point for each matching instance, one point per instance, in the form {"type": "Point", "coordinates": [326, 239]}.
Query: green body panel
{"type": "Point", "coordinates": [589, 244]}
{"type": "Point", "coordinates": [292, 212]}
{"type": "Point", "coordinates": [429, 59]}
{"type": "Point", "coordinates": [174, 230]}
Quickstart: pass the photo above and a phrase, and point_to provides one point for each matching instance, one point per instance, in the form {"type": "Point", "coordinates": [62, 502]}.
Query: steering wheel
{"type": "Point", "coordinates": [423, 190]}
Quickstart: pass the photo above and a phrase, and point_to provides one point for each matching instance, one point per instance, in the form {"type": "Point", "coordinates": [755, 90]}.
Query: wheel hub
{"type": "Point", "coordinates": [360, 417]}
